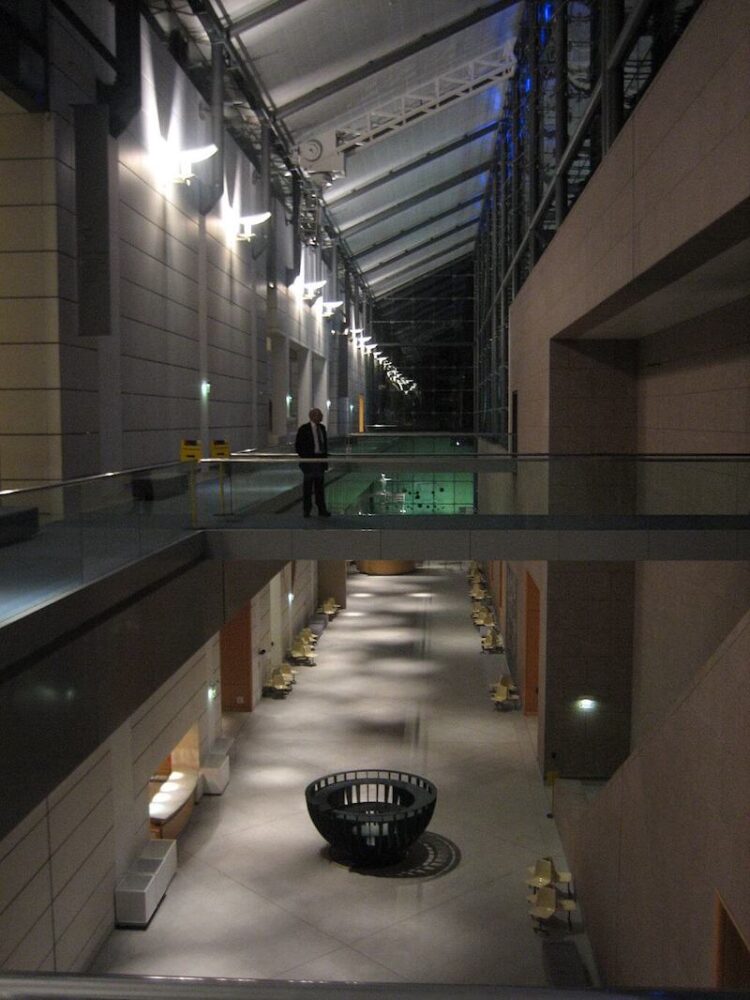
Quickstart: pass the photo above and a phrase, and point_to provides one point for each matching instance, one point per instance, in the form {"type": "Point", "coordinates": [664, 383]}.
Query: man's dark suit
{"type": "Point", "coordinates": [312, 472]}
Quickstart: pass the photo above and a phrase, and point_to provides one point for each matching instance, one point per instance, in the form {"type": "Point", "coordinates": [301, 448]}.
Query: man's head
{"type": "Point", "coordinates": [316, 416]}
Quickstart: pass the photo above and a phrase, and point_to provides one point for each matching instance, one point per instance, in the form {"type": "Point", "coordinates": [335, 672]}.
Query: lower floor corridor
{"type": "Point", "coordinates": [401, 683]}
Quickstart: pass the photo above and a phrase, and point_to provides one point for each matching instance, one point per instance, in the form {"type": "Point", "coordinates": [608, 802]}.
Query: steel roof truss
{"type": "Point", "coordinates": [428, 260]}
{"type": "Point", "coordinates": [326, 152]}
{"type": "Point", "coordinates": [420, 161]}
{"type": "Point", "coordinates": [421, 246]}
{"type": "Point", "coordinates": [420, 225]}
{"type": "Point", "coordinates": [401, 278]}
{"type": "Point", "coordinates": [391, 58]}
{"type": "Point", "coordinates": [416, 199]}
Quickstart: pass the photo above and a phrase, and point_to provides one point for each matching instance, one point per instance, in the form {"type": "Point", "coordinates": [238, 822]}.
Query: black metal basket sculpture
{"type": "Point", "coordinates": [371, 817]}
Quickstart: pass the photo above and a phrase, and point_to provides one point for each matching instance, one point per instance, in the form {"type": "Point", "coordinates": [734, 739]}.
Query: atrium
{"type": "Point", "coordinates": [503, 246]}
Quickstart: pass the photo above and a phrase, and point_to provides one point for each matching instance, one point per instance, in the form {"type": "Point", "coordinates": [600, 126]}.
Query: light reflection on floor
{"type": "Point", "coordinates": [401, 684]}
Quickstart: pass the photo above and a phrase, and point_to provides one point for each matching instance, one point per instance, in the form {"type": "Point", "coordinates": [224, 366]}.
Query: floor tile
{"type": "Point", "coordinates": [400, 683]}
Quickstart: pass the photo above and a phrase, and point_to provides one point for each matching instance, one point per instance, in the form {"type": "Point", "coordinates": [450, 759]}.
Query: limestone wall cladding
{"type": "Point", "coordinates": [680, 164]}
{"type": "Point", "coordinates": [677, 175]}
{"type": "Point", "coordinates": [59, 866]}
{"type": "Point", "coordinates": [674, 815]}
{"type": "Point", "coordinates": [189, 302]}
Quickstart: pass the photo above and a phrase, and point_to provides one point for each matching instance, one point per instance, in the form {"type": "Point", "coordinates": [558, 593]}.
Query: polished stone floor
{"type": "Point", "coordinates": [400, 683]}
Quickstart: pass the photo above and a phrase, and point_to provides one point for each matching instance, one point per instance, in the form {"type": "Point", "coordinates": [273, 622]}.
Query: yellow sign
{"type": "Point", "coordinates": [190, 450]}
{"type": "Point", "coordinates": [220, 449]}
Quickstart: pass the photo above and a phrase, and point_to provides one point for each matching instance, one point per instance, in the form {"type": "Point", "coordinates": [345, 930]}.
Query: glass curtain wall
{"type": "Point", "coordinates": [583, 65]}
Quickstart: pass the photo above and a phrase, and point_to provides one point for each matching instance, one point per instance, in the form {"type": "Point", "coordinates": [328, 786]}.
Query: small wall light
{"type": "Point", "coordinates": [290, 597]}
{"type": "Point", "coordinates": [213, 690]}
{"type": "Point", "coordinates": [328, 404]}
{"type": "Point", "coordinates": [187, 157]}
{"type": "Point", "coordinates": [329, 308]}
{"type": "Point", "coordinates": [311, 290]}
{"type": "Point", "coordinates": [586, 704]}
{"type": "Point", "coordinates": [246, 223]}
{"type": "Point", "coordinates": [205, 389]}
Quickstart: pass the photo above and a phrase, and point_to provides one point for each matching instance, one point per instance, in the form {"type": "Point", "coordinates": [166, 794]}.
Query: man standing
{"type": "Point", "coordinates": [311, 442]}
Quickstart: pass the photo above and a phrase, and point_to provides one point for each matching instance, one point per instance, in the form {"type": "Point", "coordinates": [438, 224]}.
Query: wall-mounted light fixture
{"type": "Point", "coordinates": [290, 597]}
{"type": "Point", "coordinates": [329, 308]}
{"type": "Point", "coordinates": [246, 223]}
{"type": "Point", "coordinates": [328, 404]}
{"type": "Point", "coordinates": [586, 705]}
{"type": "Point", "coordinates": [187, 158]}
{"type": "Point", "coordinates": [205, 389]}
{"type": "Point", "coordinates": [311, 290]}
{"type": "Point", "coordinates": [213, 690]}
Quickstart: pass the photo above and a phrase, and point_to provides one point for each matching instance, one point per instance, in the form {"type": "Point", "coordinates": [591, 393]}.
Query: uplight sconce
{"type": "Point", "coordinates": [329, 308]}
{"type": "Point", "coordinates": [205, 389]}
{"type": "Point", "coordinates": [328, 404]}
{"type": "Point", "coordinates": [186, 158]}
{"type": "Point", "coordinates": [312, 290]}
{"type": "Point", "coordinates": [213, 690]}
{"type": "Point", "coordinates": [246, 223]}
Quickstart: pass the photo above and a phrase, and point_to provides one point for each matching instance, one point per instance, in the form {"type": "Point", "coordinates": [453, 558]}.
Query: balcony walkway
{"type": "Point", "coordinates": [389, 505]}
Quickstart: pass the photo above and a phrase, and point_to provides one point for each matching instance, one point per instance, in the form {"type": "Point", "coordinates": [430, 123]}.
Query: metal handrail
{"type": "Point", "coordinates": [58, 484]}
{"type": "Point", "coordinates": [392, 459]}
{"type": "Point", "coordinates": [61, 986]}
{"type": "Point", "coordinates": [411, 458]}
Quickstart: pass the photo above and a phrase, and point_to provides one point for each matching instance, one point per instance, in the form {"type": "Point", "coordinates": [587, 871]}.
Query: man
{"type": "Point", "coordinates": [311, 441]}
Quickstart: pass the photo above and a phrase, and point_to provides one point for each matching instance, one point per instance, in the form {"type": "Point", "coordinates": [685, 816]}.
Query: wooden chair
{"type": "Point", "coordinates": [544, 872]}
{"type": "Point", "coordinates": [300, 653]}
{"type": "Point", "coordinates": [504, 699]}
{"type": "Point", "coordinates": [543, 906]}
{"type": "Point", "coordinates": [545, 903]}
{"type": "Point", "coordinates": [492, 642]}
{"type": "Point", "coordinates": [280, 679]}
{"type": "Point", "coordinates": [541, 874]}
{"type": "Point", "coordinates": [276, 686]}
{"type": "Point", "coordinates": [329, 607]}
{"type": "Point", "coordinates": [569, 907]}
{"type": "Point", "coordinates": [288, 673]}
{"type": "Point", "coordinates": [507, 681]}
{"type": "Point", "coordinates": [483, 616]}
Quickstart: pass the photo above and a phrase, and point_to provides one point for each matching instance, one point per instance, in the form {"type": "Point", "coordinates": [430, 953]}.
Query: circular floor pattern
{"type": "Point", "coordinates": [432, 856]}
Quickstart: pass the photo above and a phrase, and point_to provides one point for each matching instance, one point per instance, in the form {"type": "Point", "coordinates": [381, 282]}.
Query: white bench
{"type": "Point", "coordinates": [141, 889]}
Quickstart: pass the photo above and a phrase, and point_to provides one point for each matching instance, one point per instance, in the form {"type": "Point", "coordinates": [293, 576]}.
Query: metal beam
{"type": "Point", "coordinates": [257, 17]}
{"type": "Point", "coordinates": [406, 280]}
{"type": "Point", "coordinates": [421, 225]}
{"type": "Point", "coordinates": [415, 199]}
{"type": "Point", "coordinates": [420, 246]}
{"type": "Point", "coordinates": [390, 58]}
{"type": "Point", "coordinates": [430, 259]}
{"type": "Point", "coordinates": [420, 161]}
